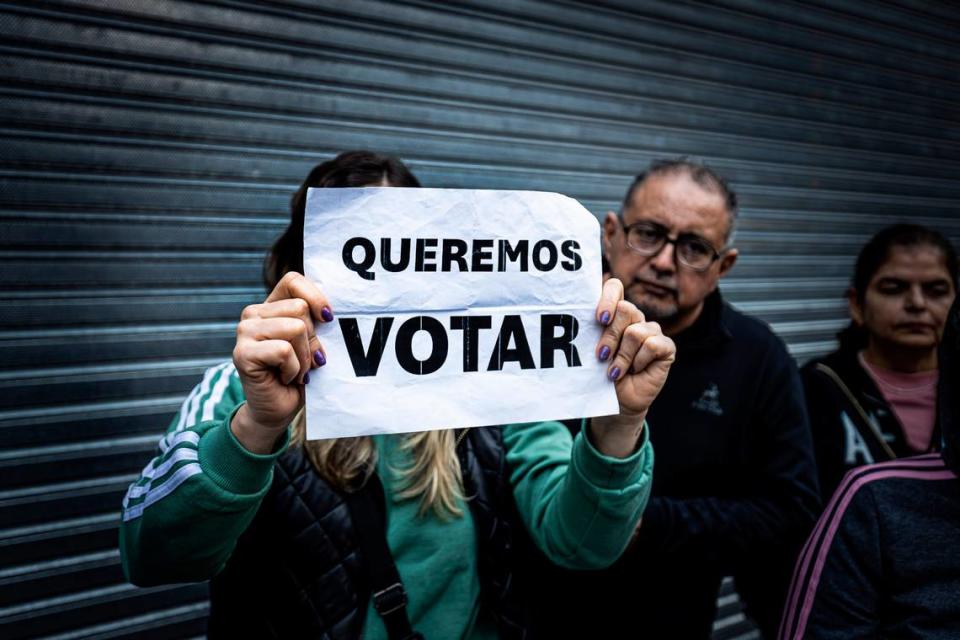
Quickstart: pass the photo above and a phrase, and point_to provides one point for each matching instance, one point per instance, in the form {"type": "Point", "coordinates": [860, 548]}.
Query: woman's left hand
{"type": "Point", "coordinates": [639, 358]}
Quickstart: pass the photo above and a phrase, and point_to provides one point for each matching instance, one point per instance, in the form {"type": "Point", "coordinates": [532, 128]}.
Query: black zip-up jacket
{"type": "Point", "coordinates": [883, 561]}
{"type": "Point", "coordinates": [734, 493]}
{"type": "Point", "coordinates": [852, 424]}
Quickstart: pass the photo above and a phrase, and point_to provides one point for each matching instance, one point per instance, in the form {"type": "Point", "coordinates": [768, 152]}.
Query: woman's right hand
{"type": "Point", "coordinates": [276, 348]}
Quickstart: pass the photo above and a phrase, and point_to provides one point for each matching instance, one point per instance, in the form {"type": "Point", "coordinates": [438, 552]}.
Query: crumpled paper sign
{"type": "Point", "coordinates": [465, 336]}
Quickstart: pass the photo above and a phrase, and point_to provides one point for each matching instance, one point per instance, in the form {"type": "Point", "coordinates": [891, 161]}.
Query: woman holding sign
{"type": "Point", "coordinates": [378, 536]}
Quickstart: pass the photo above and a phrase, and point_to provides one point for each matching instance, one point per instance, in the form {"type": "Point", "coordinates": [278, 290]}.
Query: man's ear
{"type": "Point", "coordinates": [611, 226]}
{"type": "Point", "coordinates": [856, 311]}
{"type": "Point", "coordinates": [727, 260]}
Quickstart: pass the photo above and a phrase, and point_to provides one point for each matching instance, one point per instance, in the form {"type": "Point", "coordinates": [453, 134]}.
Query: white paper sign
{"type": "Point", "coordinates": [454, 308]}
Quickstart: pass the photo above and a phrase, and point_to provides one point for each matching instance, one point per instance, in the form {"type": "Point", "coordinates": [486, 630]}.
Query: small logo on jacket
{"type": "Point", "coordinates": [709, 400]}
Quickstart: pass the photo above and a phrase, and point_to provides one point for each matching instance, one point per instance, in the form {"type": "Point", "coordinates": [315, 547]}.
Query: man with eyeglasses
{"type": "Point", "coordinates": [735, 489]}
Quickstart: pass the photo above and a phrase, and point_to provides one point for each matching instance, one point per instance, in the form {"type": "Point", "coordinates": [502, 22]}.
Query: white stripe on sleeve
{"type": "Point", "coordinates": [179, 455]}
{"type": "Point", "coordinates": [204, 390]}
{"type": "Point", "coordinates": [165, 489]}
{"type": "Point", "coordinates": [173, 438]}
{"type": "Point", "coordinates": [218, 390]}
{"type": "Point", "coordinates": [185, 408]}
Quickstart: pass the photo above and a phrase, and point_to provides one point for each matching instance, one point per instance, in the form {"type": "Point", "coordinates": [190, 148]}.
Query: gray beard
{"type": "Point", "coordinates": [657, 314]}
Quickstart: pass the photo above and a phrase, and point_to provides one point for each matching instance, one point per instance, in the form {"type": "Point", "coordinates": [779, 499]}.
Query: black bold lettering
{"type": "Point", "coordinates": [425, 252]}
{"type": "Point", "coordinates": [551, 261]}
{"type": "Point", "coordinates": [482, 250]}
{"type": "Point", "coordinates": [470, 325]}
{"type": "Point", "coordinates": [453, 251]}
{"type": "Point", "coordinates": [438, 350]}
{"type": "Point", "coordinates": [564, 342]}
{"type": "Point", "coordinates": [365, 363]}
{"type": "Point", "coordinates": [369, 257]}
{"type": "Point", "coordinates": [512, 254]}
{"type": "Point", "coordinates": [569, 249]}
{"type": "Point", "coordinates": [386, 256]}
{"type": "Point", "coordinates": [512, 327]}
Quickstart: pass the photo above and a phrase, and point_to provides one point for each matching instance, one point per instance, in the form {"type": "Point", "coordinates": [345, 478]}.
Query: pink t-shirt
{"type": "Point", "coordinates": [913, 398]}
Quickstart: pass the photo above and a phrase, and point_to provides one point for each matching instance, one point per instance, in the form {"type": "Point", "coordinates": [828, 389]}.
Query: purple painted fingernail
{"type": "Point", "coordinates": [605, 319]}
{"type": "Point", "coordinates": [306, 378]}
{"type": "Point", "coordinates": [318, 358]}
{"type": "Point", "coordinates": [326, 314]}
{"type": "Point", "coordinates": [615, 373]}
{"type": "Point", "coordinates": [604, 353]}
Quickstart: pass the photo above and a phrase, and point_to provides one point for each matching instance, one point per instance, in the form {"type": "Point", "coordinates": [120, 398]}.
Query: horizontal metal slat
{"type": "Point", "coordinates": [77, 347]}
{"type": "Point", "coordinates": [846, 223]}
{"type": "Point", "coordinates": [62, 613]}
{"type": "Point", "coordinates": [35, 425]}
{"type": "Point", "coordinates": [98, 383]}
{"type": "Point", "coordinates": [32, 505]}
{"type": "Point", "coordinates": [78, 191]}
{"type": "Point", "coordinates": [40, 580]}
{"type": "Point", "coordinates": [803, 352]}
{"type": "Point", "coordinates": [128, 270]}
{"type": "Point", "coordinates": [788, 266]}
{"type": "Point", "coordinates": [764, 289]}
{"type": "Point", "coordinates": [55, 308]}
{"type": "Point", "coordinates": [128, 234]}
{"type": "Point", "coordinates": [54, 538]}
{"type": "Point", "coordinates": [187, 621]}
{"type": "Point", "coordinates": [806, 331]}
{"type": "Point", "coordinates": [66, 462]}
{"type": "Point", "coordinates": [772, 311]}
{"type": "Point", "coordinates": [810, 241]}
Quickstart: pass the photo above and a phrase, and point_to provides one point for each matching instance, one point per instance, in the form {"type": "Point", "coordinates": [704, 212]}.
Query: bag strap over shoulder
{"type": "Point", "coordinates": [870, 425]}
{"type": "Point", "coordinates": [368, 511]}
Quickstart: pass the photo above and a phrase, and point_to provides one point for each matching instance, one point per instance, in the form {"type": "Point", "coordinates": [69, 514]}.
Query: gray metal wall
{"type": "Point", "coordinates": [148, 150]}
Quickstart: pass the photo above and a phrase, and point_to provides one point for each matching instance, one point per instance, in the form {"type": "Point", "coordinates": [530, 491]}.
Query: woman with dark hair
{"type": "Point", "coordinates": [874, 398]}
{"type": "Point", "coordinates": [882, 561]}
{"type": "Point", "coordinates": [378, 535]}
{"type": "Point", "coordinates": [349, 169]}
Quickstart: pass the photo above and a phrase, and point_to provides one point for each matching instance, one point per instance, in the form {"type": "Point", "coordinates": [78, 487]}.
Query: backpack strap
{"type": "Point", "coordinates": [367, 508]}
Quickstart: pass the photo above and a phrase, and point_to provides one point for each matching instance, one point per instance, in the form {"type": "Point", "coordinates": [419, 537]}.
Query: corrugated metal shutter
{"type": "Point", "coordinates": [149, 149]}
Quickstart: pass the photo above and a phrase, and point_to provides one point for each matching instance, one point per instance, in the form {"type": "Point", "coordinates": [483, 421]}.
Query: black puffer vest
{"type": "Point", "coordinates": [297, 570]}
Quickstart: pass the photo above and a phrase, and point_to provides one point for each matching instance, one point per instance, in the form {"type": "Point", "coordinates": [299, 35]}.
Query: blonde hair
{"type": "Point", "coordinates": [434, 477]}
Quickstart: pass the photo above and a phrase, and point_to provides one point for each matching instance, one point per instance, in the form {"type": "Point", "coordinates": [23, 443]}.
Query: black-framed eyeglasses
{"type": "Point", "coordinates": [691, 251]}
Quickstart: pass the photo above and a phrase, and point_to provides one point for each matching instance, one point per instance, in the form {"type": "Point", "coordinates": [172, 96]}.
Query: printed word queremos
{"type": "Point", "coordinates": [363, 255]}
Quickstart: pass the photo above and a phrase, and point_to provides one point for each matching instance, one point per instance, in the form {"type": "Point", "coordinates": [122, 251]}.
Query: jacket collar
{"type": "Point", "coordinates": [709, 330]}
